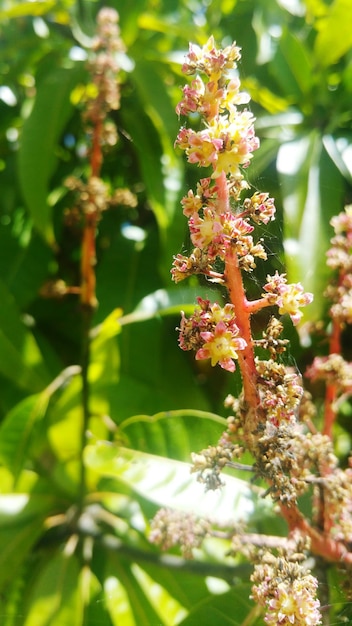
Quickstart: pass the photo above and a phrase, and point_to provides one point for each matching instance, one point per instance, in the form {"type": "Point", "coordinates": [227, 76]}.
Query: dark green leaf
{"type": "Point", "coordinates": [20, 357]}
{"type": "Point", "coordinates": [41, 132]}
{"type": "Point", "coordinates": [233, 608]}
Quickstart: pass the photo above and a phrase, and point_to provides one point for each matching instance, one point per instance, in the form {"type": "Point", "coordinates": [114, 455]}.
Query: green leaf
{"type": "Point", "coordinates": [40, 134]}
{"type": "Point", "coordinates": [20, 9]}
{"type": "Point", "coordinates": [338, 147]}
{"type": "Point", "coordinates": [233, 608]}
{"type": "Point", "coordinates": [334, 38]}
{"type": "Point", "coordinates": [185, 587]}
{"type": "Point", "coordinates": [292, 67]}
{"type": "Point", "coordinates": [312, 190]}
{"type": "Point", "coordinates": [168, 483]}
{"type": "Point", "coordinates": [175, 434]}
{"type": "Point", "coordinates": [21, 523]}
{"type": "Point", "coordinates": [126, 601]}
{"type": "Point", "coordinates": [17, 430]}
{"type": "Point", "coordinates": [20, 357]}
{"type": "Point", "coordinates": [55, 598]}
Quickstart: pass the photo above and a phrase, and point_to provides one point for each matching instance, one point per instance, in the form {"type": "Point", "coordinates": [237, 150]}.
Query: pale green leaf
{"type": "Point", "coordinates": [20, 9]}
{"type": "Point", "coordinates": [334, 38]}
{"type": "Point", "coordinates": [169, 483]}
{"type": "Point", "coordinates": [130, 604]}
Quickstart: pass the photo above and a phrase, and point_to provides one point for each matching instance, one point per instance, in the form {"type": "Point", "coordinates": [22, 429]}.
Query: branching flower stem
{"type": "Point", "coordinates": [321, 544]}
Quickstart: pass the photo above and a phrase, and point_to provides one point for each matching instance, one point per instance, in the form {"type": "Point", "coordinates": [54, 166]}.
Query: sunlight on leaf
{"type": "Point", "coordinates": [169, 483]}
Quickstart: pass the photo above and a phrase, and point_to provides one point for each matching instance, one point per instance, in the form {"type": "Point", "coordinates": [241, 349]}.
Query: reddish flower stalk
{"type": "Point", "coordinates": [104, 72]}
{"type": "Point", "coordinates": [322, 544]}
{"type": "Point", "coordinates": [234, 283]}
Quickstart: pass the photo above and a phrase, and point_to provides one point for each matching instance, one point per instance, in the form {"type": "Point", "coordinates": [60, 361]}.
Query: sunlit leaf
{"type": "Point", "coordinates": [334, 37]}
{"type": "Point", "coordinates": [169, 483]}
{"type": "Point", "coordinates": [128, 604]}
{"type": "Point", "coordinates": [17, 429]}
{"type": "Point", "coordinates": [55, 599]}
{"type": "Point", "coordinates": [21, 523]}
{"type": "Point", "coordinates": [20, 9]}
{"type": "Point", "coordinates": [339, 148]}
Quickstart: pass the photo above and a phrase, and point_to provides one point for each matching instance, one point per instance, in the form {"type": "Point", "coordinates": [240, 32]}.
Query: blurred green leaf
{"type": "Point", "coordinates": [16, 432]}
{"type": "Point", "coordinates": [292, 67]}
{"type": "Point", "coordinates": [56, 598]}
{"type": "Point", "coordinates": [20, 358]}
{"type": "Point", "coordinates": [21, 524]}
{"type": "Point", "coordinates": [131, 606]}
{"type": "Point", "coordinates": [228, 609]}
{"type": "Point", "coordinates": [18, 427]}
{"type": "Point", "coordinates": [40, 134]}
{"type": "Point", "coordinates": [338, 147]}
{"type": "Point", "coordinates": [20, 9]}
{"type": "Point", "coordinates": [334, 36]}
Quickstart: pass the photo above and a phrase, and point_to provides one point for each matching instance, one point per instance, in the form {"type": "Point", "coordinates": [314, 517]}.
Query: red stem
{"type": "Point", "coordinates": [88, 256]}
{"type": "Point", "coordinates": [321, 543]}
{"type": "Point", "coordinates": [234, 283]}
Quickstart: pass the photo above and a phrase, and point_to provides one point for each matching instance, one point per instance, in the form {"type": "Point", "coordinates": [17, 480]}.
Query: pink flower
{"type": "Point", "coordinates": [221, 346]}
{"type": "Point", "coordinates": [288, 297]}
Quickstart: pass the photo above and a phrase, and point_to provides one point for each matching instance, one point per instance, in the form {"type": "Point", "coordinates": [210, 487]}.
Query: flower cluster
{"type": "Point", "coordinates": [213, 333]}
{"type": "Point", "coordinates": [287, 590]}
{"type": "Point", "coordinates": [228, 139]}
{"type": "Point", "coordinates": [225, 145]}
{"type": "Point", "coordinates": [280, 391]}
{"type": "Point", "coordinates": [103, 95]}
{"type": "Point", "coordinates": [209, 463]}
{"type": "Point", "coordinates": [173, 528]}
{"type": "Point", "coordinates": [333, 369]}
{"type": "Point", "coordinates": [339, 258]}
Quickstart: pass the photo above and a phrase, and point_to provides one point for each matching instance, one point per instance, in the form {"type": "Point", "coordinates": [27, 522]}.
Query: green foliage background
{"type": "Point", "coordinates": [70, 556]}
